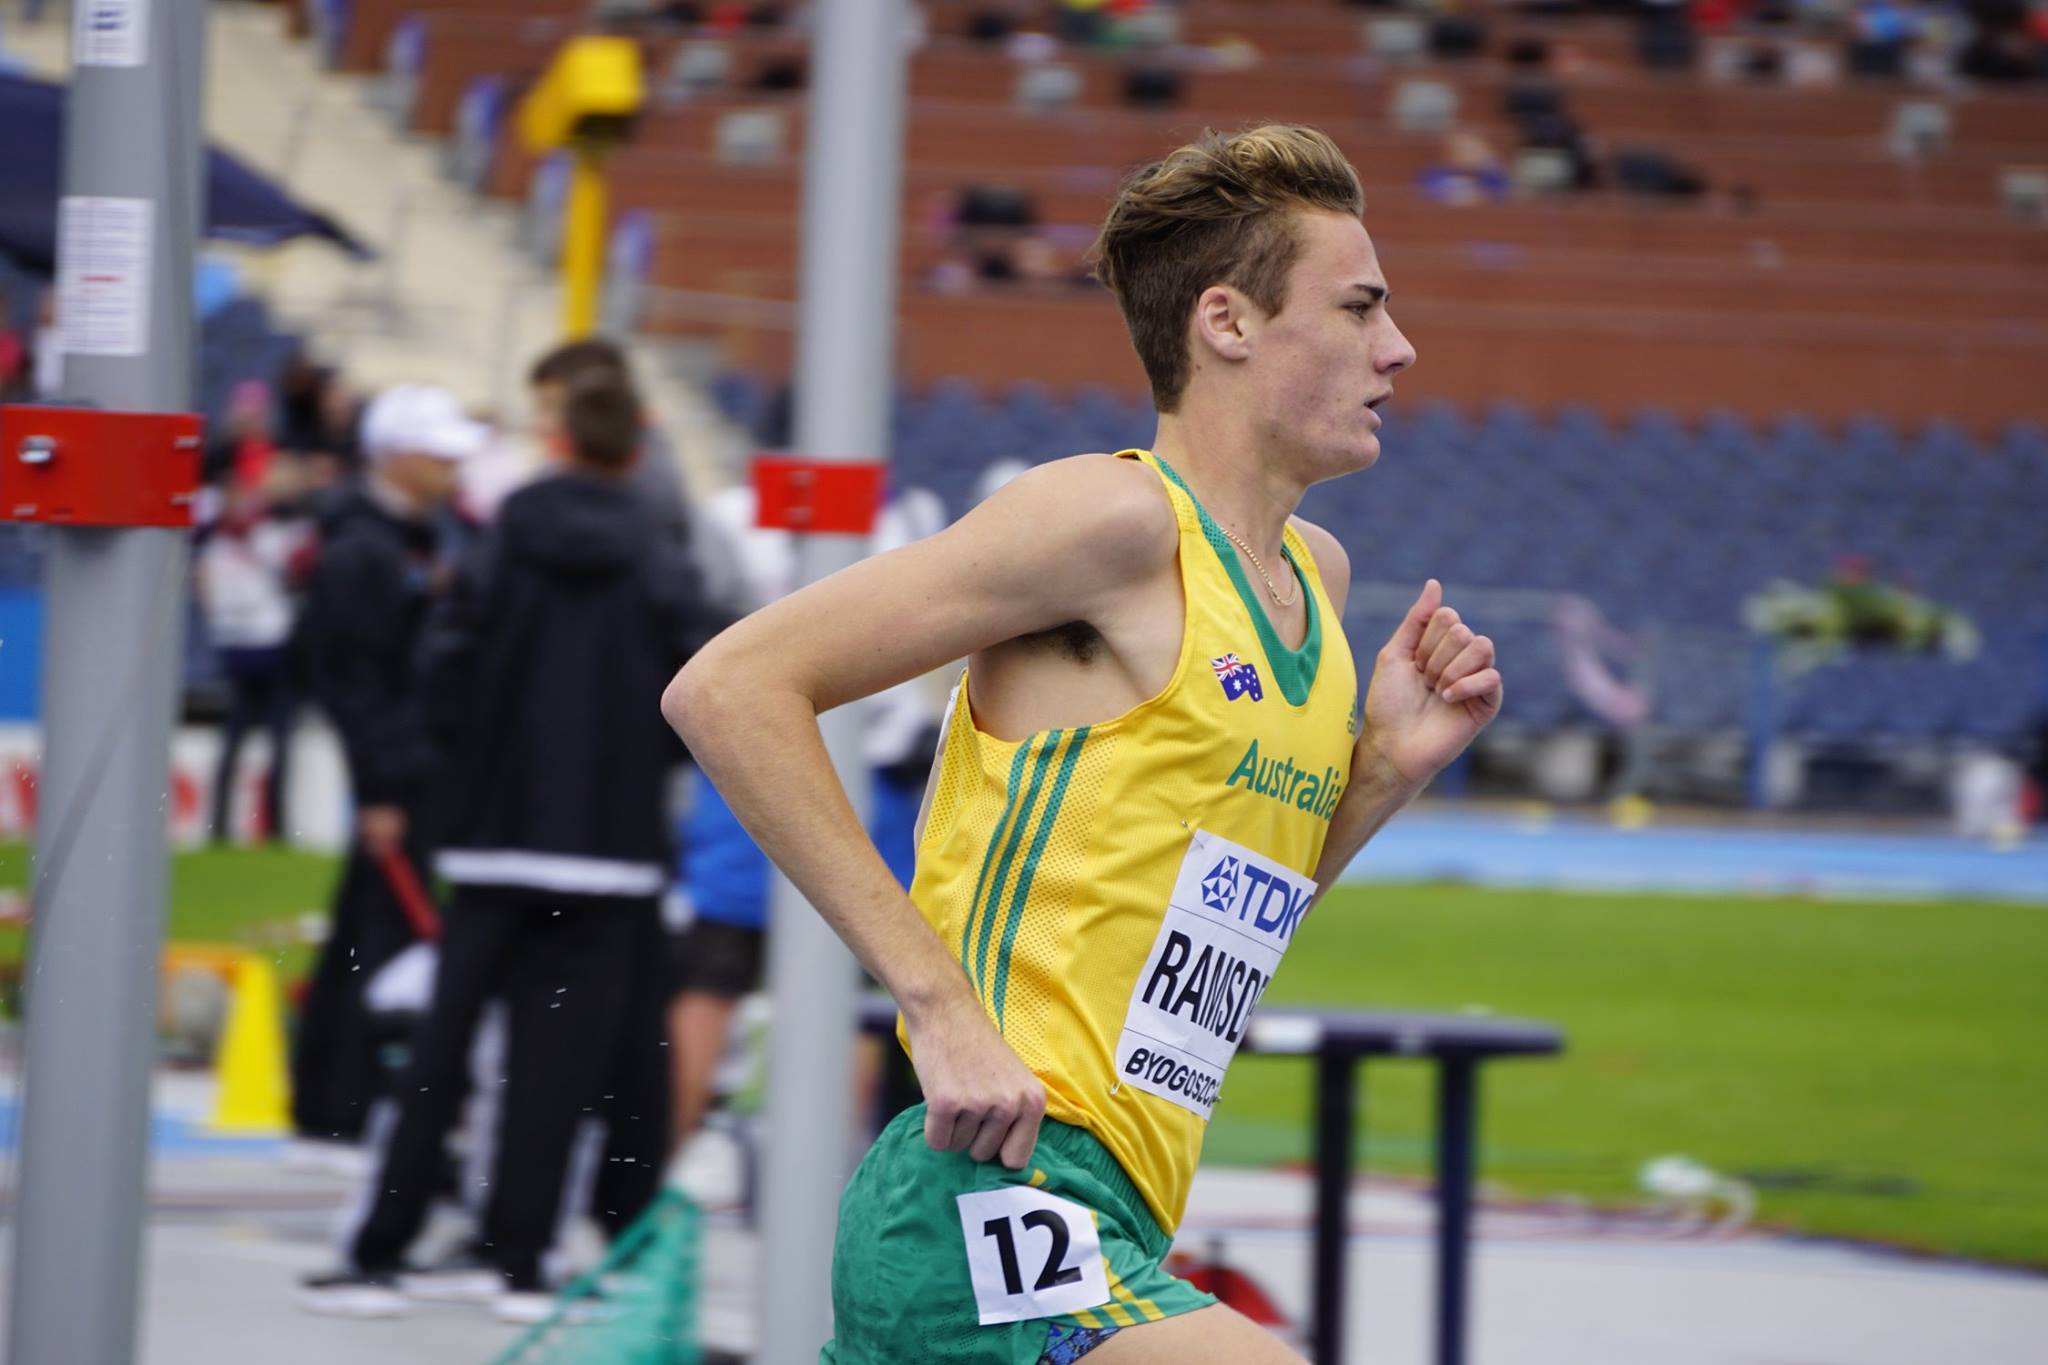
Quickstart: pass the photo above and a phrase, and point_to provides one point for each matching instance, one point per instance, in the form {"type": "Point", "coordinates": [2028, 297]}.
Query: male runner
{"type": "Point", "coordinates": [1152, 763]}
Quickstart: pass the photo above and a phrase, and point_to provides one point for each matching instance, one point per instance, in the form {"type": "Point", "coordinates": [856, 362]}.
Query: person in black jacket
{"type": "Point", "coordinates": [653, 476]}
{"type": "Point", "coordinates": [540, 674]}
{"type": "Point", "coordinates": [366, 604]}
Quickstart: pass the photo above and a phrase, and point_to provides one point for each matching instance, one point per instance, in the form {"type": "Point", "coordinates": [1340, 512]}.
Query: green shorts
{"type": "Point", "coordinates": [942, 1258]}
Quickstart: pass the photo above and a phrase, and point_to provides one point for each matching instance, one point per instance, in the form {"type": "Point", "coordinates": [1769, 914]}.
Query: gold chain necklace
{"type": "Point", "coordinates": [1277, 599]}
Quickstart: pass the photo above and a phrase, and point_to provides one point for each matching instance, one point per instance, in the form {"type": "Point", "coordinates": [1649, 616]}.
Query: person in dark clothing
{"type": "Point", "coordinates": [366, 604]}
{"type": "Point", "coordinates": [652, 474]}
{"type": "Point", "coordinates": [243, 572]}
{"type": "Point", "coordinates": [541, 672]}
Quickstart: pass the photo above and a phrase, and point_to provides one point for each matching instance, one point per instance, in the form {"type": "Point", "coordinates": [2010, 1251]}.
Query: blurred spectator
{"type": "Point", "coordinates": [1468, 173]}
{"type": "Point", "coordinates": [1646, 170]}
{"type": "Point", "coordinates": [1559, 132]}
{"type": "Point", "coordinates": [49, 348]}
{"type": "Point", "coordinates": [366, 603]}
{"type": "Point", "coordinates": [992, 237]}
{"type": "Point", "coordinates": [1081, 21]}
{"type": "Point", "coordinates": [2010, 44]}
{"type": "Point", "coordinates": [654, 477]}
{"type": "Point", "coordinates": [1039, 262]}
{"type": "Point", "coordinates": [779, 74]}
{"type": "Point", "coordinates": [725, 878]}
{"type": "Point", "coordinates": [317, 420]}
{"type": "Point", "coordinates": [310, 418]}
{"type": "Point", "coordinates": [1532, 98]}
{"type": "Point", "coordinates": [542, 672]}
{"type": "Point", "coordinates": [1763, 64]}
{"type": "Point", "coordinates": [1454, 37]}
{"type": "Point", "coordinates": [1714, 16]}
{"type": "Point", "coordinates": [994, 206]}
{"type": "Point", "coordinates": [243, 570]}
{"type": "Point", "coordinates": [16, 364]}
{"type": "Point", "coordinates": [243, 454]}
{"type": "Point", "coordinates": [990, 26]}
{"type": "Point", "coordinates": [1665, 39]}
{"type": "Point", "coordinates": [1880, 34]}
{"type": "Point", "coordinates": [1152, 87]}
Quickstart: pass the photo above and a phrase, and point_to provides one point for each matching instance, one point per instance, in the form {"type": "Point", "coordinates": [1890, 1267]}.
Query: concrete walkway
{"type": "Point", "coordinates": [232, 1228]}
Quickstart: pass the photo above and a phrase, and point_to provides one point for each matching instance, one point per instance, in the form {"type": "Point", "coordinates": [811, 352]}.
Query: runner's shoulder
{"type": "Point", "coordinates": [1113, 511]}
{"type": "Point", "coordinates": [1333, 562]}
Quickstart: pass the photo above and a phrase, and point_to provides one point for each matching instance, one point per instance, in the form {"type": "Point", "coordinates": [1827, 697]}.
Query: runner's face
{"type": "Point", "coordinates": [1330, 352]}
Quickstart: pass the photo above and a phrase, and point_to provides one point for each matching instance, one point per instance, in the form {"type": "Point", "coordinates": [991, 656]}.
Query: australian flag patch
{"type": "Point", "coordinates": [1238, 678]}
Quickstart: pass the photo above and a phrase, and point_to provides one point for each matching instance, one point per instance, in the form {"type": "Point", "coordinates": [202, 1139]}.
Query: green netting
{"type": "Point", "coordinates": [638, 1308]}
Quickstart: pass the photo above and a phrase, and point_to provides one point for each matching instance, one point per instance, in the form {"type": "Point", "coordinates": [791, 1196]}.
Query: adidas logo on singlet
{"type": "Point", "coordinates": [1287, 782]}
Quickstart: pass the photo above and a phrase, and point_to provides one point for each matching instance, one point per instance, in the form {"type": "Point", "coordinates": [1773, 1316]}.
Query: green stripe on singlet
{"type": "Point", "coordinates": [1022, 894]}
{"type": "Point", "coordinates": [981, 881]}
{"type": "Point", "coordinates": [995, 890]}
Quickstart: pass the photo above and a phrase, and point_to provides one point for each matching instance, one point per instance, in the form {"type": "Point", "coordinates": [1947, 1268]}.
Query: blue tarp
{"type": "Point", "coordinates": [21, 653]}
{"type": "Point", "coordinates": [240, 204]}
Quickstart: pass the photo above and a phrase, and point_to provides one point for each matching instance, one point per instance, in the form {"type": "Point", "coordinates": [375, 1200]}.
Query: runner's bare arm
{"type": "Point", "coordinates": [1434, 688]}
{"type": "Point", "coordinates": [1058, 544]}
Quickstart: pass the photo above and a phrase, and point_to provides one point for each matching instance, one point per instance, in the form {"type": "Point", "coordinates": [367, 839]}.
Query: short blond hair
{"type": "Point", "coordinates": [1217, 211]}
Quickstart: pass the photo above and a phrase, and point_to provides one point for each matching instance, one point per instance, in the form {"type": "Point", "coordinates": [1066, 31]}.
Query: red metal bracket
{"type": "Point", "coordinates": [84, 467]}
{"type": "Point", "coordinates": [819, 497]}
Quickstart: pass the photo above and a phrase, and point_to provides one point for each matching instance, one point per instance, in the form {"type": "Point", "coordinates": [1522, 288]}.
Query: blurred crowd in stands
{"type": "Point", "coordinates": [1808, 42]}
{"type": "Point", "coordinates": [995, 237]}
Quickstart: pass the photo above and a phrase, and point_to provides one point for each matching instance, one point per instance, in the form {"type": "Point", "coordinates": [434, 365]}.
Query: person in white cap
{"type": "Point", "coordinates": [367, 599]}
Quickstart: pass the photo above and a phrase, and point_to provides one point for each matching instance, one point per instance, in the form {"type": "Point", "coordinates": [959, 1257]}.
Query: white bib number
{"type": "Point", "coordinates": [1032, 1254]}
{"type": "Point", "coordinates": [1231, 917]}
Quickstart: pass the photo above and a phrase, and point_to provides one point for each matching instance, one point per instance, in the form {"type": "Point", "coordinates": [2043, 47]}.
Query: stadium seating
{"type": "Point", "coordinates": [1666, 526]}
{"type": "Point", "coordinates": [1661, 403]}
{"type": "Point", "coordinates": [1828, 268]}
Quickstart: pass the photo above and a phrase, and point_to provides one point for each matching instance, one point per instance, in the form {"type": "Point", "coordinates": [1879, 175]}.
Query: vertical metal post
{"type": "Point", "coordinates": [1336, 1137]}
{"type": "Point", "coordinates": [853, 167]}
{"type": "Point", "coordinates": [1763, 721]}
{"type": "Point", "coordinates": [1457, 1120]}
{"type": "Point", "coordinates": [115, 615]}
{"type": "Point", "coordinates": [583, 241]}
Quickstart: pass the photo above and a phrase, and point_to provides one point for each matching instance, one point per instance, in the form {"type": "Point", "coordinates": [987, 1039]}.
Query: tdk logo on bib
{"type": "Point", "coordinates": [1219, 888]}
{"type": "Point", "coordinates": [1231, 917]}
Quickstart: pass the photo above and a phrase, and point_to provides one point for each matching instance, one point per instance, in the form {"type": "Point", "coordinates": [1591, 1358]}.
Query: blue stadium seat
{"type": "Point", "coordinates": [1656, 429]}
{"type": "Point", "coordinates": [1871, 436]}
{"type": "Point", "coordinates": [1728, 433]}
{"type": "Point", "coordinates": [740, 398]}
{"type": "Point", "coordinates": [2025, 441]}
{"type": "Point", "coordinates": [1436, 419]}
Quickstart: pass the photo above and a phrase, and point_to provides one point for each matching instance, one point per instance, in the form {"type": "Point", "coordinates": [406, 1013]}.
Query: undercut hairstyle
{"type": "Point", "coordinates": [1217, 211]}
{"type": "Point", "coordinates": [601, 419]}
{"type": "Point", "coordinates": [573, 360]}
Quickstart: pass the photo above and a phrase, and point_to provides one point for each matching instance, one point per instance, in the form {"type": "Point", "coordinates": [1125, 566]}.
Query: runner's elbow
{"type": "Point", "coordinates": [720, 692]}
{"type": "Point", "coordinates": [689, 700]}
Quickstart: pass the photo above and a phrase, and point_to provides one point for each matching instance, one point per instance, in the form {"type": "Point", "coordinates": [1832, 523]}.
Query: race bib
{"type": "Point", "coordinates": [1032, 1254]}
{"type": "Point", "coordinates": [1232, 914]}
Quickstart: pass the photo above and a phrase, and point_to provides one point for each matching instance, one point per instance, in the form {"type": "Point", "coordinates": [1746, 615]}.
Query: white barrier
{"type": "Point", "coordinates": [316, 802]}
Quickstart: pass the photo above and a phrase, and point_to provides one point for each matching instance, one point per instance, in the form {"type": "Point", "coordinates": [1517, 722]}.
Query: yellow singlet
{"type": "Point", "coordinates": [1120, 894]}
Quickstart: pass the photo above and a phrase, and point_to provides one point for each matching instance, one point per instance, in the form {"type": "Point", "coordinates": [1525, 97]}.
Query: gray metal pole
{"type": "Point", "coordinates": [115, 607]}
{"type": "Point", "coordinates": [853, 168]}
